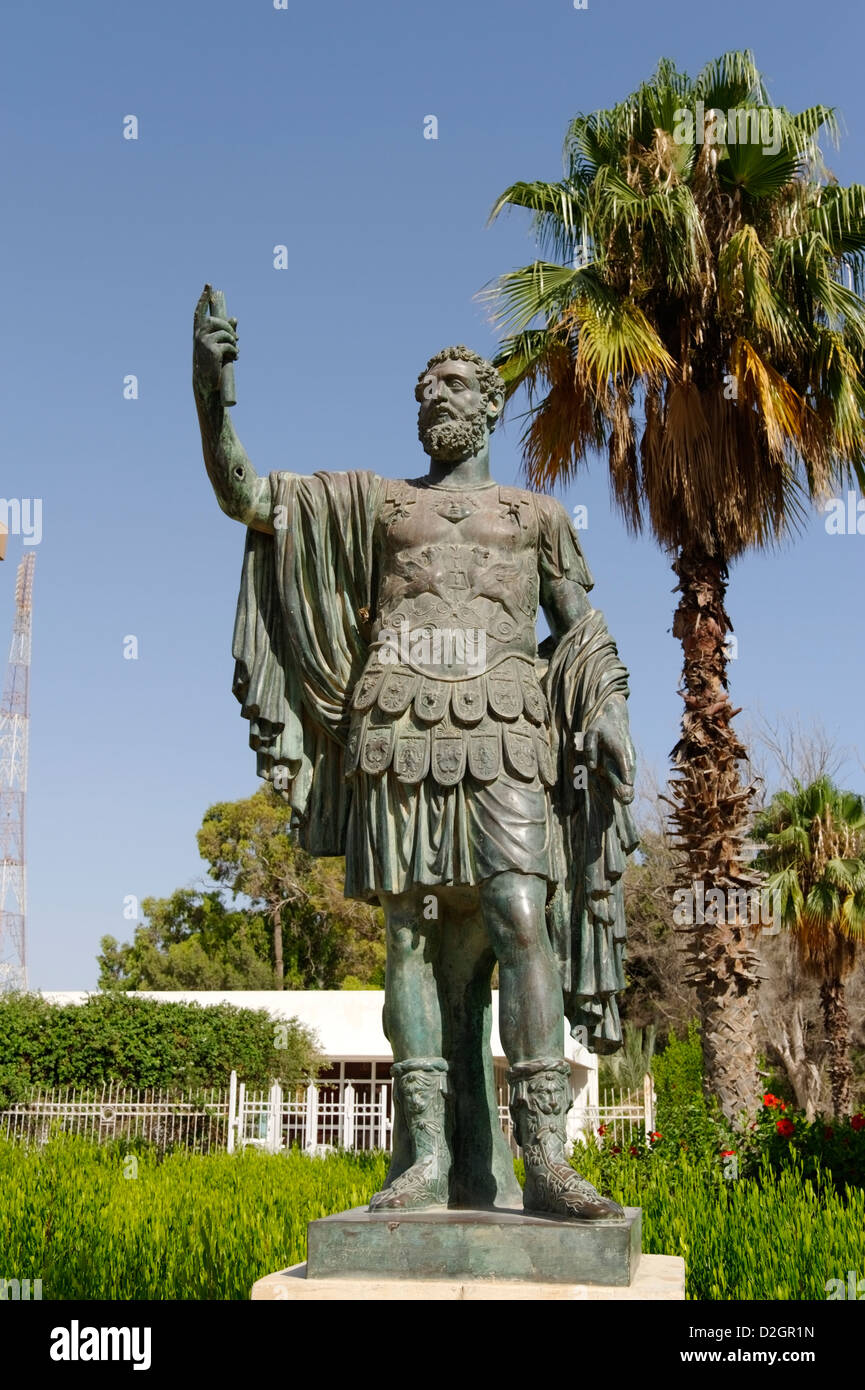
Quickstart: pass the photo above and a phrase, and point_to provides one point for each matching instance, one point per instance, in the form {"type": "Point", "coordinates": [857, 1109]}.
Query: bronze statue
{"type": "Point", "coordinates": [388, 663]}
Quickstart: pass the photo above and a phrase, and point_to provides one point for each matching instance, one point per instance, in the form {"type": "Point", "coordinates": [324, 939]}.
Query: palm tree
{"type": "Point", "coordinates": [628, 1067]}
{"type": "Point", "coordinates": [703, 323]}
{"type": "Point", "coordinates": [813, 853]}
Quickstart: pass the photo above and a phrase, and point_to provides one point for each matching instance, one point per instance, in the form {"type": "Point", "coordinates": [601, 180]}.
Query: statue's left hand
{"type": "Point", "coordinates": [607, 748]}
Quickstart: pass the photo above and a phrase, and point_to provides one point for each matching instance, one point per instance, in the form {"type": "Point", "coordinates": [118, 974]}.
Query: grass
{"type": "Point", "coordinates": [772, 1236]}
{"type": "Point", "coordinates": [91, 1223]}
{"type": "Point", "coordinates": [184, 1227]}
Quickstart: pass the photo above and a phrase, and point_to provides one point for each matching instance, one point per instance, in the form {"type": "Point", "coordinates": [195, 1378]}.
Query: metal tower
{"type": "Point", "coordinates": [14, 736]}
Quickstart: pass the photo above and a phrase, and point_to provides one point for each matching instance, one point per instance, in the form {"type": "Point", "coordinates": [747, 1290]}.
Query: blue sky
{"type": "Point", "coordinates": [304, 127]}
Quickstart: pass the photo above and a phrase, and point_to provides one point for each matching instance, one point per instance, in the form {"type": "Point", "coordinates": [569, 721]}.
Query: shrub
{"type": "Point", "coordinates": [772, 1235]}
{"type": "Point", "coordinates": [685, 1116]}
{"type": "Point", "coordinates": [92, 1225]}
{"type": "Point", "coordinates": [823, 1150]}
{"type": "Point", "coordinates": [144, 1043]}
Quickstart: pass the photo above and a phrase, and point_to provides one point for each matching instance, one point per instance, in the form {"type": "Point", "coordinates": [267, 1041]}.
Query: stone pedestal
{"type": "Point", "coordinates": [659, 1277]}
{"type": "Point", "coordinates": [448, 1244]}
{"type": "Point", "coordinates": [479, 1255]}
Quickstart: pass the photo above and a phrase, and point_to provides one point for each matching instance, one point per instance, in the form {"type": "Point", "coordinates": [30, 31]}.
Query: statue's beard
{"type": "Point", "coordinates": [451, 441]}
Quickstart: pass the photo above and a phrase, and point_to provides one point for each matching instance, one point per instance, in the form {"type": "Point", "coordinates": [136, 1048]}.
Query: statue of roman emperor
{"type": "Point", "coordinates": [479, 787]}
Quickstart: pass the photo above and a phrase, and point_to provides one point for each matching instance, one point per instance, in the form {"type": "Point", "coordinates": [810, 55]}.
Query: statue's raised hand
{"type": "Point", "coordinates": [214, 344]}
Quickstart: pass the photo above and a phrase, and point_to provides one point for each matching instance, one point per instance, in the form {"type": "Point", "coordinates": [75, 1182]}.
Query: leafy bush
{"type": "Point", "coordinates": [821, 1149]}
{"type": "Point", "coordinates": [144, 1043]}
{"type": "Point", "coordinates": [685, 1116]}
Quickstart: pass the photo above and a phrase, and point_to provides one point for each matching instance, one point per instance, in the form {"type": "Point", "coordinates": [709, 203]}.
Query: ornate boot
{"type": "Point", "coordinates": [420, 1084]}
{"type": "Point", "coordinates": [538, 1108]}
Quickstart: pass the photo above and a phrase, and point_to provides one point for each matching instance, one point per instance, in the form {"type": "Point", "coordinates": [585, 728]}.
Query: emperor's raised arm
{"type": "Point", "coordinates": [241, 493]}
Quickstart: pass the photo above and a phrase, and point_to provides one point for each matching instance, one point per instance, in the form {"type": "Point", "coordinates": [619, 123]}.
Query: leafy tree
{"type": "Point", "coordinates": [699, 316]}
{"type": "Point", "coordinates": [813, 853]}
{"type": "Point", "coordinates": [658, 993]}
{"type": "Point", "coordinates": [191, 940]}
{"type": "Point", "coordinates": [320, 939]}
{"type": "Point", "coordinates": [286, 924]}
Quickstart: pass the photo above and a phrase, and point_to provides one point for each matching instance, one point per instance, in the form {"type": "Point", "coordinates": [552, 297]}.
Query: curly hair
{"type": "Point", "coordinates": [489, 380]}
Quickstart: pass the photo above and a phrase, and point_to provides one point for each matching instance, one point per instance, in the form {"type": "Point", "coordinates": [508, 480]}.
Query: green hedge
{"type": "Point", "coordinates": [143, 1043]}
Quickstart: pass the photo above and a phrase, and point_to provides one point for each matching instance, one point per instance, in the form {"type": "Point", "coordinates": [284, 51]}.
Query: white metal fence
{"type": "Point", "coordinates": [316, 1117]}
{"type": "Point", "coordinates": [620, 1114]}
{"type": "Point", "coordinates": [117, 1112]}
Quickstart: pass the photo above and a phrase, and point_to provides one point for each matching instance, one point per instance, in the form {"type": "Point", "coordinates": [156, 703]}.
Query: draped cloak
{"type": "Point", "coordinates": [307, 596]}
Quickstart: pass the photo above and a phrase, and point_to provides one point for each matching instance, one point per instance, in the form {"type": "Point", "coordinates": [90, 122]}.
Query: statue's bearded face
{"type": "Point", "coordinates": [453, 419]}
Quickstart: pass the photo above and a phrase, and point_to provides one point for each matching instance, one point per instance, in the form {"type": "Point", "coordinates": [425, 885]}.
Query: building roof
{"type": "Point", "coordinates": [346, 1022]}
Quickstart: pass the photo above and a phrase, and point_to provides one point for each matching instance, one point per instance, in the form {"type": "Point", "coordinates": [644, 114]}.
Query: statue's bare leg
{"type": "Point", "coordinates": [412, 1019]}
{"type": "Point", "coordinates": [412, 1012]}
{"type": "Point", "coordinates": [531, 1024]}
{"type": "Point", "coordinates": [531, 1016]}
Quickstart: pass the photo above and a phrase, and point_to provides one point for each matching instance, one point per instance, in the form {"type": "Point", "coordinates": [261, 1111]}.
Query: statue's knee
{"type": "Point", "coordinates": [517, 932]}
{"type": "Point", "coordinates": [514, 914]}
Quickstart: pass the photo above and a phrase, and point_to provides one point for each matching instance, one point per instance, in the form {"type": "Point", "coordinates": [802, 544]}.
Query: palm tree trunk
{"type": "Point", "coordinates": [836, 1021]}
{"type": "Point", "coordinates": [710, 813]}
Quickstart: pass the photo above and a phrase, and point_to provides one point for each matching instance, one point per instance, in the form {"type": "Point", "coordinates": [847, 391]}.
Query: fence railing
{"type": "Point", "coordinates": [316, 1117]}
{"type": "Point", "coordinates": [199, 1123]}
{"type": "Point", "coordinates": [620, 1114]}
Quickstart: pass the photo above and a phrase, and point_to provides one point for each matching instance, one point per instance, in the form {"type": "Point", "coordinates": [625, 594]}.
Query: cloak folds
{"type": "Point", "coordinates": [595, 832]}
{"type": "Point", "coordinates": [306, 597]}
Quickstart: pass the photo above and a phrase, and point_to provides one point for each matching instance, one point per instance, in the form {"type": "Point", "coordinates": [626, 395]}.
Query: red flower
{"type": "Point", "coordinates": [770, 1100]}
{"type": "Point", "coordinates": [858, 1122]}
{"type": "Point", "coordinates": [655, 1135]}
{"type": "Point", "coordinates": [602, 1129]}
{"type": "Point", "coordinates": [782, 1105]}
{"type": "Point", "coordinates": [615, 1149]}
{"type": "Point", "coordinates": [828, 1132]}
{"type": "Point", "coordinates": [634, 1150]}
{"type": "Point", "coordinates": [728, 1153]}
{"type": "Point", "coordinates": [785, 1128]}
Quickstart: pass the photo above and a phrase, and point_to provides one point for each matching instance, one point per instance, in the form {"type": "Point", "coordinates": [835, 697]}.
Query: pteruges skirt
{"type": "Point", "coordinates": [400, 835]}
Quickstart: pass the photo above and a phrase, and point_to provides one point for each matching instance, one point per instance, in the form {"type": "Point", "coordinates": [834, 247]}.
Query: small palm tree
{"type": "Point", "coordinates": [628, 1067]}
{"type": "Point", "coordinates": [702, 322]}
{"type": "Point", "coordinates": [813, 854]}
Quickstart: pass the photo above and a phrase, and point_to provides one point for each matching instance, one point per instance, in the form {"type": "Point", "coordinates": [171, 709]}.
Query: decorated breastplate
{"type": "Point", "coordinates": [451, 684]}
{"type": "Point", "coordinates": [458, 590]}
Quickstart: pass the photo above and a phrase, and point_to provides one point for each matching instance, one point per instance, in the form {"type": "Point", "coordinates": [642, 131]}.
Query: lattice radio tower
{"type": "Point", "coordinates": [14, 737]}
